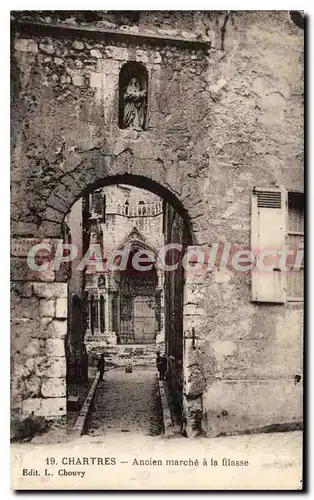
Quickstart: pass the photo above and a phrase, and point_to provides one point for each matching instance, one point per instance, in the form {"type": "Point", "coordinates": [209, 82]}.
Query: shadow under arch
{"type": "Point", "coordinates": [147, 184]}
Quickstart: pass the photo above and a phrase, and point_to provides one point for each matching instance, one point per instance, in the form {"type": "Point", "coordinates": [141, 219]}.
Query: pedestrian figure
{"type": "Point", "coordinates": [101, 366]}
{"type": "Point", "coordinates": [161, 362]}
{"type": "Point", "coordinates": [157, 358]}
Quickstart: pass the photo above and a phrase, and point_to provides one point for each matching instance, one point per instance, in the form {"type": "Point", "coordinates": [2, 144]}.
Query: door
{"type": "Point", "coordinates": [145, 325]}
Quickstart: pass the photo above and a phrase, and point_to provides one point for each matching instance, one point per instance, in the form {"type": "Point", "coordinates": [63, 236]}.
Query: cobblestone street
{"type": "Point", "coordinates": [127, 402]}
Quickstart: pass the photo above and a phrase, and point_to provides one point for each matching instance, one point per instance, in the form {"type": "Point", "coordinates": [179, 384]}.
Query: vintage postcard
{"type": "Point", "coordinates": [157, 226]}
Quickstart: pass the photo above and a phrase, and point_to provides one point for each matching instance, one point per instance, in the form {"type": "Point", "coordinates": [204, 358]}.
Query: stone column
{"type": "Point", "coordinates": [102, 313]}
{"type": "Point", "coordinates": [111, 337]}
{"type": "Point", "coordinates": [110, 312]}
{"type": "Point", "coordinates": [118, 313]}
{"type": "Point", "coordinates": [97, 323]}
{"type": "Point", "coordinates": [38, 328]}
{"type": "Point", "coordinates": [107, 311]}
{"type": "Point", "coordinates": [88, 319]}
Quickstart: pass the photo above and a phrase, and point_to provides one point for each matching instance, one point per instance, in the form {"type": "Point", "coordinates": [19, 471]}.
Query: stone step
{"type": "Point", "coordinates": [123, 355]}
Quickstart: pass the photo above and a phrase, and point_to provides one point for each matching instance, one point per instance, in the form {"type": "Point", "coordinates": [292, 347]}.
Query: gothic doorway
{"type": "Point", "coordinates": [139, 299]}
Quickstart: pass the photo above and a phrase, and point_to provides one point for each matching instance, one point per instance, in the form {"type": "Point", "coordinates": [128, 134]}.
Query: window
{"type": "Point", "coordinates": [276, 222]}
{"type": "Point", "coordinates": [295, 238]}
{"type": "Point", "coordinates": [97, 201]}
{"type": "Point", "coordinates": [126, 208]}
{"type": "Point", "coordinates": [268, 233]}
{"type": "Point", "coordinates": [141, 208]}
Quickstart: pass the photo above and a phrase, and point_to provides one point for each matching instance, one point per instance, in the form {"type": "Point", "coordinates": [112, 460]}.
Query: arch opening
{"type": "Point", "coordinates": [145, 183]}
{"type": "Point", "coordinates": [140, 308]}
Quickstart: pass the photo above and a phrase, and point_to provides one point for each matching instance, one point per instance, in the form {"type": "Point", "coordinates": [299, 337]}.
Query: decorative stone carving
{"type": "Point", "coordinates": [134, 106]}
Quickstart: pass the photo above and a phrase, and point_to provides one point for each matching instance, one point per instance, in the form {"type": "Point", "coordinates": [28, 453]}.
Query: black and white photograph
{"type": "Point", "coordinates": [157, 249]}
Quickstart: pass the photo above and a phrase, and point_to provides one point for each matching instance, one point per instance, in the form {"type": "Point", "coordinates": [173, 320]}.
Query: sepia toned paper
{"type": "Point", "coordinates": [157, 250]}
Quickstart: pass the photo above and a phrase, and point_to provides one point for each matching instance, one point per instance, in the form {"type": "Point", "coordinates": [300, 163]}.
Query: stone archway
{"type": "Point", "coordinates": [49, 290]}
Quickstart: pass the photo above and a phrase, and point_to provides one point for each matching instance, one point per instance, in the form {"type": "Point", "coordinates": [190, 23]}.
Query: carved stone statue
{"type": "Point", "coordinates": [134, 106]}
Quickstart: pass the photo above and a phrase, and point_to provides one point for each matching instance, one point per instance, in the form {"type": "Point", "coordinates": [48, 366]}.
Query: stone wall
{"type": "Point", "coordinates": [38, 328]}
{"type": "Point", "coordinates": [225, 115]}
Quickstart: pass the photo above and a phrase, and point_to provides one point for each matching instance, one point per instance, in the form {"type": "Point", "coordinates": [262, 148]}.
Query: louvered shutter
{"type": "Point", "coordinates": [268, 233]}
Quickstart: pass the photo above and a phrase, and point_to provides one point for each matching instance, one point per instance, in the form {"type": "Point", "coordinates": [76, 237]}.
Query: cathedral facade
{"type": "Point", "coordinates": [125, 307]}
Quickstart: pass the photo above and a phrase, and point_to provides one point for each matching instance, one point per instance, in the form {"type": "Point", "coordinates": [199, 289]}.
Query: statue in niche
{"type": "Point", "coordinates": [134, 106]}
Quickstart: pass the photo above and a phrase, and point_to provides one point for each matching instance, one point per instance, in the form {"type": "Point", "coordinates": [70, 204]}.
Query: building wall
{"type": "Point", "coordinates": [119, 224]}
{"type": "Point", "coordinates": [74, 221]}
{"type": "Point", "coordinates": [75, 350]}
{"type": "Point", "coordinates": [220, 122]}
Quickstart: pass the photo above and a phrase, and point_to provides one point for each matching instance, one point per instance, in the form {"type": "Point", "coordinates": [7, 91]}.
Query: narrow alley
{"type": "Point", "coordinates": [127, 402]}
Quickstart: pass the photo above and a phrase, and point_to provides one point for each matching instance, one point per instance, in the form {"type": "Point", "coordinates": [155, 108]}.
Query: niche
{"type": "Point", "coordinates": [133, 80]}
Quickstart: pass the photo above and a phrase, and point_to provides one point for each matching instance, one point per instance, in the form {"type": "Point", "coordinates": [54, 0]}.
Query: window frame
{"type": "Point", "coordinates": [290, 298]}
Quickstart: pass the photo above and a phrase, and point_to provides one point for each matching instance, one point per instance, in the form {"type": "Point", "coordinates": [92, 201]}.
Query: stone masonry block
{"type": "Point", "coordinates": [26, 308]}
{"type": "Point", "coordinates": [31, 405]}
{"type": "Point", "coordinates": [62, 192]}
{"type": "Point", "coordinates": [26, 327]}
{"type": "Point", "coordinates": [57, 203]}
{"type": "Point", "coordinates": [70, 183]}
{"type": "Point", "coordinates": [96, 53]}
{"type": "Point", "coordinates": [108, 66]}
{"type": "Point", "coordinates": [78, 45]}
{"type": "Point", "coordinates": [52, 328]}
{"type": "Point", "coordinates": [55, 347]}
{"type": "Point", "coordinates": [21, 247]}
{"type": "Point", "coordinates": [194, 310]}
{"type": "Point", "coordinates": [23, 228]}
{"type": "Point", "coordinates": [53, 367]}
{"type": "Point", "coordinates": [20, 271]}
{"type": "Point", "coordinates": [47, 308]}
{"type": "Point", "coordinates": [34, 347]}
{"type": "Point", "coordinates": [61, 308]}
{"type": "Point", "coordinates": [193, 413]}
{"type": "Point", "coordinates": [78, 80]}
{"type": "Point", "coordinates": [118, 53]}
{"type": "Point", "coordinates": [96, 80]}
{"type": "Point", "coordinates": [32, 386]}
{"type": "Point", "coordinates": [49, 408]}
{"type": "Point", "coordinates": [47, 48]}
{"type": "Point", "coordinates": [54, 387]}
{"type": "Point", "coordinates": [53, 215]}
{"type": "Point", "coordinates": [49, 228]}
{"type": "Point", "coordinates": [51, 290]}
{"type": "Point", "coordinates": [26, 45]}
{"type": "Point", "coordinates": [53, 407]}
{"type": "Point", "coordinates": [195, 382]}
{"type": "Point", "coordinates": [20, 289]}
{"type": "Point", "coordinates": [141, 56]}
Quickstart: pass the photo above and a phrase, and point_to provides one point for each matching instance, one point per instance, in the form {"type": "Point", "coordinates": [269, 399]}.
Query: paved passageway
{"type": "Point", "coordinates": [127, 402]}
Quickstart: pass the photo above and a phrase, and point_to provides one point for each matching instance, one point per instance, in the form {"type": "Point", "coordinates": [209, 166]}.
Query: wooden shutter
{"type": "Point", "coordinates": [268, 232]}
